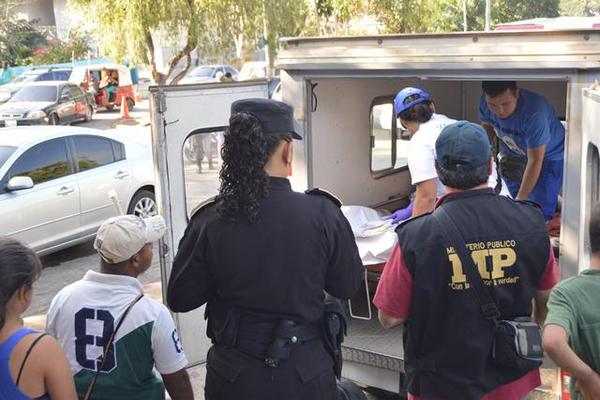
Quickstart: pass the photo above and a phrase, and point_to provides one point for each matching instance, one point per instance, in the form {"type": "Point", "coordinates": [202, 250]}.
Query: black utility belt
{"type": "Point", "coordinates": [281, 338]}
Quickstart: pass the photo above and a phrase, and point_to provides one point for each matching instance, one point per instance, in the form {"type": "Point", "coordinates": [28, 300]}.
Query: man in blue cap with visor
{"type": "Point", "coordinates": [416, 111]}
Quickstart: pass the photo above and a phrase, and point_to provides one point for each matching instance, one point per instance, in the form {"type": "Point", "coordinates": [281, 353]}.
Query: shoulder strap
{"type": "Point", "coordinates": [489, 309]}
{"type": "Point", "coordinates": [31, 346]}
{"type": "Point", "coordinates": [88, 393]}
{"type": "Point", "coordinates": [10, 343]}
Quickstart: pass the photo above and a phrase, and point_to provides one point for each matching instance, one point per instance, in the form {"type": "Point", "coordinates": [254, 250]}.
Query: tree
{"type": "Point", "coordinates": [334, 15]}
{"type": "Point", "coordinates": [232, 23]}
{"type": "Point", "coordinates": [131, 28]}
{"type": "Point", "coordinates": [18, 40]}
{"type": "Point", "coordinates": [583, 8]}
{"type": "Point", "coordinates": [243, 26]}
{"type": "Point", "coordinates": [18, 37]}
{"type": "Point", "coordinates": [401, 16]}
{"type": "Point", "coordinates": [404, 16]}
{"type": "Point", "coordinates": [76, 47]}
{"type": "Point", "coordinates": [281, 18]}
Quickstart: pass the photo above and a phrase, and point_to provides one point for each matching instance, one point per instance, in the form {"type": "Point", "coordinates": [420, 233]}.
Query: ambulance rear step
{"type": "Point", "coordinates": [373, 356]}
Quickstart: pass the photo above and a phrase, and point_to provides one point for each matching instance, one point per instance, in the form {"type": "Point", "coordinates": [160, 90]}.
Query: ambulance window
{"type": "Point", "coordinates": [202, 162]}
{"type": "Point", "coordinates": [381, 137]}
{"type": "Point", "coordinates": [389, 141]}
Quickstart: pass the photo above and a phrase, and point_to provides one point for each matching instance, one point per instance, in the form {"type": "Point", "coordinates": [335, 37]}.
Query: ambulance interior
{"type": "Point", "coordinates": [355, 155]}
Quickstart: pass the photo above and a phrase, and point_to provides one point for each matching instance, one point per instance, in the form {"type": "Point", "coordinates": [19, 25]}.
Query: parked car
{"type": "Point", "coordinates": [209, 73]}
{"type": "Point", "coordinates": [35, 75]}
{"type": "Point", "coordinates": [47, 102]}
{"type": "Point", "coordinates": [274, 88]}
{"type": "Point", "coordinates": [253, 70]}
{"type": "Point", "coordinates": [55, 183]}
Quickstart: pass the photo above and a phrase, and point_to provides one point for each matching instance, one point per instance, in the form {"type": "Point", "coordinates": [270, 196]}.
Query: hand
{"type": "Point", "coordinates": [401, 214]}
{"type": "Point", "coordinates": [589, 386]}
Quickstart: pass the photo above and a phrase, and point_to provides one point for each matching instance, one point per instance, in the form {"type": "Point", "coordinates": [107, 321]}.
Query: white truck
{"type": "Point", "coordinates": [342, 91]}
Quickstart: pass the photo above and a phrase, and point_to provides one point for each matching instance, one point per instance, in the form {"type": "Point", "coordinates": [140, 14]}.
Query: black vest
{"type": "Point", "coordinates": [447, 341]}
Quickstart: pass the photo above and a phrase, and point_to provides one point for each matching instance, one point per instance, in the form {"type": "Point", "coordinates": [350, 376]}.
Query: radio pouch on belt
{"type": "Point", "coordinates": [334, 330]}
{"type": "Point", "coordinates": [517, 343]}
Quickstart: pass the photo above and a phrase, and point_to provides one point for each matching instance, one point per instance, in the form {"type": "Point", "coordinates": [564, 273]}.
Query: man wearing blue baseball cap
{"type": "Point", "coordinates": [449, 335]}
{"type": "Point", "coordinates": [416, 111]}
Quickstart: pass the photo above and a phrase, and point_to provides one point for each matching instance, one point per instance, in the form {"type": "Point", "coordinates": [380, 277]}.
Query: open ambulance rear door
{"type": "Point", "coordinates": [188, 122]}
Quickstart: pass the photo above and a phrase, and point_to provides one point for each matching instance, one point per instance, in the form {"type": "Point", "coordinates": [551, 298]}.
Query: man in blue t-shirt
{"type": "Point", "coordinates": [532, 142]}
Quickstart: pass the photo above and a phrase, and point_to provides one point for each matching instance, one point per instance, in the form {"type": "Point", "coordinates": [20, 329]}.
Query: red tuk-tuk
{"type": "Point", "coordinates": [110, 84]}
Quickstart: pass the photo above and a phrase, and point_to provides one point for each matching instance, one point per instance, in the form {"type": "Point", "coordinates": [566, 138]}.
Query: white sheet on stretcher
{"type": "Point", "coordinates": [375, 237]}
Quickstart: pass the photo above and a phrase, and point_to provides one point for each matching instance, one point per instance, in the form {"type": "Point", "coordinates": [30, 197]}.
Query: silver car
{"type": "Point", "coordinates": [55, 183]}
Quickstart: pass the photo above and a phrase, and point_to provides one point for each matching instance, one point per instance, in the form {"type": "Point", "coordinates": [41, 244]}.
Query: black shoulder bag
{"type": "Point", "coordinates": [517, 343]}
{"type": "Point", "coordinates": [90, 389]}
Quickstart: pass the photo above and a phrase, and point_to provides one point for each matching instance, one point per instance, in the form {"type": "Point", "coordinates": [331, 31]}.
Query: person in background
{"type": "Point", "coordinates": [572, 331]}
{"type": "Point", "coordinates": [7, 74]}
{"type": "Point", "coordinates": [84, 315]}
{"type": "Point", "coordinates": [227, 77]}
{"type": "Point", "coordinates": [532, 141]}
{"type": "Point", "coordinates": [32, 364]}
{"type": "Point", "coordinates": [109, 83]}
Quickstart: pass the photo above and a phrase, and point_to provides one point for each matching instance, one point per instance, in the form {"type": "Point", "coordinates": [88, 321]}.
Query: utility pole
{"type": "Point", "coordinates": [488, 14]}
{"type": "Point", "coordinates": [464, 5]}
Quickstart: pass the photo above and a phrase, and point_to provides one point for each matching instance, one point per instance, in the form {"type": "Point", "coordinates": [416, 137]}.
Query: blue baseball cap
{"type": "Point", "coordinates": [408, 97]}
{"type": "Point", "coordinates": [463, 144]}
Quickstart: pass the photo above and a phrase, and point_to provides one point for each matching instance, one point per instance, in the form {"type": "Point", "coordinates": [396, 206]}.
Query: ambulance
{"type": "Point", "coordinates": [342, 91]}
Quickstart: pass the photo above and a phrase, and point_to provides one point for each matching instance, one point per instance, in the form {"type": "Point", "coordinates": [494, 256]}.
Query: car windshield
{"type": "Point", "coordinates": [36, 93]}
{"type": "Point", "coordinates": [5, 152]}
{"type": "Point", "coordinates": [24, 78]}
{"type": "Point", "coordinates": [203, 72]}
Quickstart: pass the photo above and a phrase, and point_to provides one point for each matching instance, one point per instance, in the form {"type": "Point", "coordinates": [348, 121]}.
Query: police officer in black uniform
{"type": "Point", "coordinates": [261, 256]}
{"type": "Point", "coordinates": [448, 342]}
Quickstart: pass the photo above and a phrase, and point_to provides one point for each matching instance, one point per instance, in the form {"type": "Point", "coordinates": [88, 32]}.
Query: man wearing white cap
{"type": "Point", "coordinates": [112, 335]}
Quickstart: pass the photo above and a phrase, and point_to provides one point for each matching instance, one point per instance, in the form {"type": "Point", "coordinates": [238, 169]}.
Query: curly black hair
{"type": "Point", "coordinates": [245, 152]}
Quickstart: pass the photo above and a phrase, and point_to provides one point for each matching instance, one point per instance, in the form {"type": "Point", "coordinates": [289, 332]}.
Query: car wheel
{"type": "Point", "coordinates": [89, 112]}
{"type": "Point", "coordinates": [53, 119]}
{"type": "Point", "coordinates": [130, 104]}
{"type": "Point", "coordinates": [189, 150]}
{"type": "Point", "coordinates": [143, 204]}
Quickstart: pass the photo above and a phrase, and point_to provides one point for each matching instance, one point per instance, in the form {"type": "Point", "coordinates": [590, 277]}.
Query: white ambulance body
{"type": "Point", "coordinates": [342, 91]}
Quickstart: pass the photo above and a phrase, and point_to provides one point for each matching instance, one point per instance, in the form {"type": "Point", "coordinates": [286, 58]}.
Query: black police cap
{"type": "Point", "coordinates": [275, 116]}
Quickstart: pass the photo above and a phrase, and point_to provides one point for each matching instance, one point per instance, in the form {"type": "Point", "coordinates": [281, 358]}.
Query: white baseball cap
{"type": "Point", "coordinates": [119, 238]}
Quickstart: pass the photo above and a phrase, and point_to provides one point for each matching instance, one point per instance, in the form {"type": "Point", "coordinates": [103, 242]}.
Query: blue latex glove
{"type": "Point", "coordinates": [401, 214]}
